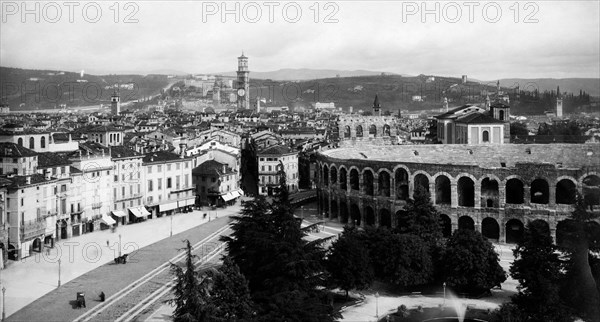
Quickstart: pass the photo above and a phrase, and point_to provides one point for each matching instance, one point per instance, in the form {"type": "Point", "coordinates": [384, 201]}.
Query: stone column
{"type": "Point", "coordinates": [432, 191]}
{"type": "Point", "coordinates": [477, 194]}
{"type": "Point", "coordinates": [552, 195]}
{"type": "Point", "coordinates": [393, 187]}
{"type": "Point", "coordinates": [526, 195]}
{"type": "Point", "coordinates": [501, 196]}
{"type": "Point", "coordinates": [361, 208]}
{"type": "Point", "coordinates": [375, 184]}
{"type": "Point", "coordinates": [453, 194]}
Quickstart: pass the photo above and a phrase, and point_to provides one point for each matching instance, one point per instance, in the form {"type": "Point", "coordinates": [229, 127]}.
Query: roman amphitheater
{"type": "Point", "coordinates": [495, 189]}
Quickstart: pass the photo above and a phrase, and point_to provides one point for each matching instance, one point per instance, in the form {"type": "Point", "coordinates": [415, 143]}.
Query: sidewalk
{"type": "Point", "coordinates": [29, 279]}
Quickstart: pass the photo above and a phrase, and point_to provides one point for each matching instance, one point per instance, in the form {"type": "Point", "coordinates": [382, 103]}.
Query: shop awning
{"type": "Point", "coordinates": [144, 211]}
{"type": "Point", "coordinates": [107, 220]}
{"type": "Point", "coordinates": [119, 213]}
{"type": "Point", "coordinates": [190, 202]}
{"type": "Point", "coordinates": [235, 194]}
{"type": "Point", "coordinates": [136, 212]}
{"type": "Point", "coordinates": [240, 191]}
{"type": "Point", "coordinates": [228, 196]}
{"type": "Point", "coordinates": [167, 206]}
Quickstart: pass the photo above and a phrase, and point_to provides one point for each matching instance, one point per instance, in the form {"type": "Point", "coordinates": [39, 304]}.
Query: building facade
{"type": "Point", "coordinates": [271, 161]}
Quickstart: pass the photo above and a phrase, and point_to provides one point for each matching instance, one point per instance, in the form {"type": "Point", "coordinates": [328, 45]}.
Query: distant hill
{"type": "Point", "coordinates": [572, 85]}
{"type": "Point", "coordinates": [27, 89]}
{"type": "Point", "coordinates": [291, 74]}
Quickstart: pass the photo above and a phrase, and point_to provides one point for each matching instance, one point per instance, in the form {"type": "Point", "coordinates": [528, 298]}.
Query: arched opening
{"type": "Point", "coordinates": [343, 212]}
{"type": "Point", "coordinates": [325, 176]}
{"type": "Point", "coordinates": [43, 142]}
{"type": "Point", "coordinates": [372, 131]}
{"type": "Point", "coordinates": [489, 193]}
{"type": "Point", "coordinates": [386, 130]}
{"type": "Point", "coordinates": [343, 179]}
{"type": "Point", "coordinates": [540, 192]}
{"type": "Point", "coordinates": [501, 115]}
{"type": "Point", "coordinates": [384, 184]}
{"type": "Point", "coordinates": [542, 226]}
{"type": "Point", "coordinates": [355, 215]}
{"type": "Point", "coordinates": [591, 190]}
{"type": "Point", "coordinates": [421, 180]}
{"type": "Point", "coordinates": [466, 192]}
{"type": "Point", "coordinates": [485, 136]}
{"type": "Point", "coordinates": [347, 132]}
{"type": "Point", "coordinates": [12, 252]}
{"type": "Point", "coordinates": [325, 205]}
{"type": "Point", "coordinates": [368, 182]}
{"type": "Point", "coordinates": [490, 228]}
{"type": "Point", "coordinates": [385, 218]}
{"type": "Point", "coordinates": [354, 182]}
{"type": "Point", "coordinates": [36, 246]}
{"type": "Point", "coordinates": [334, 209]}
{"type": "Point", "coordinates": [369, 216]}
{"type": "Point", "coordinates": [565, 192]}
{"type": "Point", "coordinates": [401, 177]}
{"type": "Point", "coordinates": [20, 141]}
{"type": "Point", "coordinates": [466, 222]}
{"type": "Point", "coordinates": [31, 143]}
{"type": "Point", "coordinates": [359, 131]}
{"type": "Point", "coordinates": [514, 231]}
{"type": "Point", "coordinates": [401, 219]}
{"type": "Point", "coordinates": [446, 224]}
{"type": "Point", "coordinates": [514, 191]}
{"type": "Point", "coordinates": [443, 192]}
{"type": "Point", "coordinates": [333, 174]}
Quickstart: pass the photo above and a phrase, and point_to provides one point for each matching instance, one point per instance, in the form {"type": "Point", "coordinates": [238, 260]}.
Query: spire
{"type": "Point", "coordinates": [376, 104]}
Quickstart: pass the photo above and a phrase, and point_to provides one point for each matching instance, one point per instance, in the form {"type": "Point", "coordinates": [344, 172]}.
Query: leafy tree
{"type": "Point", "coordinates": [348, 262]}
{"type": "Point", "coordinates": [519, 129]}
{"type": "Point", "coordinates": [230, 293]}
{"type": "Point", "coordinates": [470, 262]}
{"type": "Point", "coordinates": [579, 237]}
{"type": "Point", "coordinates": [421, 218]}
{"type": "Point", "coordinates": [537, 267]}
{"type": "Point", "coordinates": [190, 292]}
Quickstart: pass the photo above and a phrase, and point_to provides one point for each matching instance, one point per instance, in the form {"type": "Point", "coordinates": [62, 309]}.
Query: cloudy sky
{"type": "Point", "coordinates": [485, 40]}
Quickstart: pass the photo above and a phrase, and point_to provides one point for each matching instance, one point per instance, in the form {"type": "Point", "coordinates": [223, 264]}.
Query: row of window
{"type": "Point", "coordinates": [32, 142]}
{"type": "Point", "coordinates": [177, 167]}
{"type": "Point", "coordinates": [123, 191]}
{"type": "Point", "coordinates": [169, 183]}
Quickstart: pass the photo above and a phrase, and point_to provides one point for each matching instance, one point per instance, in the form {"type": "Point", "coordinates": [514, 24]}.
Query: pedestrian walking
{"type": "Point", "coordinates": [107, 243]}
{"type": "Point", "coordinates": [47, 251]}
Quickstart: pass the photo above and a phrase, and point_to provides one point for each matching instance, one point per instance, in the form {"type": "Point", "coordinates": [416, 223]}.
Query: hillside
{"type": "Point", "coordinates": [25, 89]}
{"type": "Point", "coordinates": [290, 74]}
{"type": "Point", "coordinates": [572, 85]}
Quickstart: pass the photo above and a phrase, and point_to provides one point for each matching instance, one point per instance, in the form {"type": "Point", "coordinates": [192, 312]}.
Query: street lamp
{"type": "Point", "coordinates": [377, 305]}
{"type": "Point", "coordinates": [171, 225]}
{"type": "Point", "coordinates": [444, 293]}
{"type": "Point", "coordinates": [59, 272]}
{"type": "Point", "coordinates": [119, 245]}
{"type": "Point", "coordinates": [3, 306]}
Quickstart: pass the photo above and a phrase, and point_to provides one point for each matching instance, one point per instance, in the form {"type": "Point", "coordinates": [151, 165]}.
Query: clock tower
{"type": "Point", "coordinates": [243, 83]}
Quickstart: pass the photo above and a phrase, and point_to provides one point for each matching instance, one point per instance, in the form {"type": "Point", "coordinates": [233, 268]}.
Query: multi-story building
{"type": "Point", "coordinates": [271, 161]}
{"type": "Point", "coordinates": [216, 183]}
{"type": "Point", "coordinates": [4, 183]}
{"type": "Point", "coordinates": [106, 135]}
{"type": "Point", "coordinates": [168, 183]}
{"type": "Point", "coordinates": [127, 183]}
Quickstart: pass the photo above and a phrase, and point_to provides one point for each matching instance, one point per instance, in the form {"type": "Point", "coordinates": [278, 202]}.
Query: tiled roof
{"type": "Point", "coordinates": [123, 152]}
{"type": "Point", "coordinates": [211, 167]}
{"type": "Point", "coordinates": [8, 149]}
{"type": "Point", "coordinates": [161, 156]}
{"type": "Point", "coordinates": [477, 118]}
{"type": "Point", "coordinates": [276, 150]}
{"type": "Point", "coordinates": [51, 159]}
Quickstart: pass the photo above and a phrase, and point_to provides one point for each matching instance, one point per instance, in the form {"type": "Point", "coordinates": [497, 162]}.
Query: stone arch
{"type": "Point", "coordinates": [514, 231]}
{"type": "Point", "coordinates": [421, 179]}
{"type": "Point", "coordinates": [401, 177]}
{"type": "Point", "coordinates": [543, 225]}
{"type": "Point", "coordinates": [325, 175]}
{"type": "Point", "coordinates": [333, 174]}
{"type": "Point", "coordinates": [540, 191]}
{"type": "Point", "coordinates": [386, 130]}
{"type": "Point", "coordinates": [466, 192]}
{"type": "Point", "coordinates": [489, 193]}
{"type": "Point", "coordinates": [501, 115]}
{"type": "Point", "coordinates": [485, 136]}
{"type": "Point", "coordinates": [359, 131]}
{"type": "Point", "coordinates": [347, 132]}
{"type": "Point", "coordinates": [591, 189]}
{"type": "Point", "coordinates": [372, 131]}
{"type": "Point", "coordinates": [566, 191]}
{"type": "Point", "coordinates": [446, 224]}
{"type": "Point", "coordinates": [368, 182]}
{"type": "Point", "coordinates": [43, 142]}
{"type": "Point", "coordinates": [355, 216]}
{"type": "Point", "coordinates": [343, 212]}
{"type": "Point", "coordinates": [36, 246]}
{"type": "Point", "coordinates": [490, 228]}
{"type": "Point", "coordinates": [466, 222]}
{"type": "Point", "coordinates": [443, 190]}
{"type": "Point", "coordinates": [384, 183]}
{"type": "Point", "coordinates": [385, 218]}
{"type": "Point", "coordinates": [515, 192]}
{"type": "Point", "coordinates": [32, 143]}
{"type": "Point", "coordinates": [343, 178]}
{"type": "Point", "coordinates": [369, 216]}
{"type": "Point", "coordinates": [20, 141]}
{"type": "Point", "coordinates": [354, 180]}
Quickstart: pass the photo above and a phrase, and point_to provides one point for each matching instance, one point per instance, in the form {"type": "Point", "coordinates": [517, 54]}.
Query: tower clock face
{"type": "Point", "coordinates": [241, 92]}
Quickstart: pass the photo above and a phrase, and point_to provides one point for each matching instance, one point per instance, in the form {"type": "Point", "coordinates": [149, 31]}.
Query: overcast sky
{"type": "Point", "coordinates": [555, 39]}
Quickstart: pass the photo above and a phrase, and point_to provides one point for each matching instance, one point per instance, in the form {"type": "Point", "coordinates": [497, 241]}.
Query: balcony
{"type": "Point", "coordinates": [96, 205]}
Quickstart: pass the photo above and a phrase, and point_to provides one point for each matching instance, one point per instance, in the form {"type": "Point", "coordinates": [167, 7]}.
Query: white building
{"type": "Point", "coordinates": [273, 159]}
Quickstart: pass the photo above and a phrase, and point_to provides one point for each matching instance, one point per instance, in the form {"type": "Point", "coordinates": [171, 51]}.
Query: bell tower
{"type": "Point", "coordinates": [243, 83]}
{"type": "Point", "coordinates": [115, 103]}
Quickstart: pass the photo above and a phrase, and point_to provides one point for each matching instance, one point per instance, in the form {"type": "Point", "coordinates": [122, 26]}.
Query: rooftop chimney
{"type": "Point", "coordinates": [28, 180]}
{"type": "Point", "coordinates": [47, 174]}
